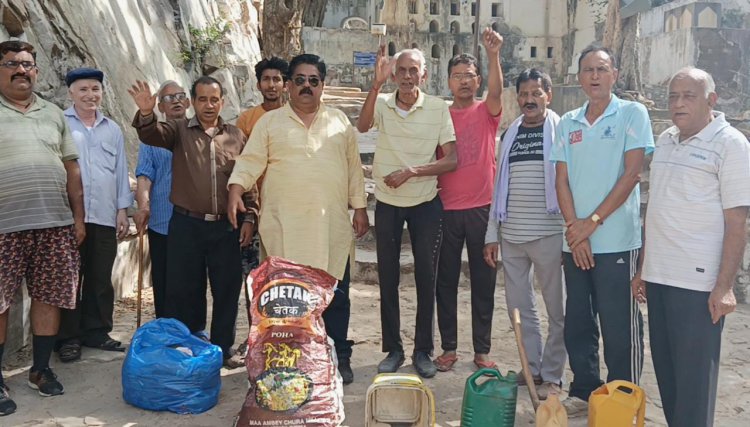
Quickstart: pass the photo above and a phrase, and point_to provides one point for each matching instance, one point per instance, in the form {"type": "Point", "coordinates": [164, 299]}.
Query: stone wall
{"type": "Point", "coordinates": [129, 40]}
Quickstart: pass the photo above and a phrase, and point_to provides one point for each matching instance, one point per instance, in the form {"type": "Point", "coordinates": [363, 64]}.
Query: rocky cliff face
{"type": "Point", "coordinates": [151, 40]}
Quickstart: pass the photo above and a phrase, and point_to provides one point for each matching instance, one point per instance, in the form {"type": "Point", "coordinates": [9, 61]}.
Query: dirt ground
{"type": "Point", "coordinates": [93, 394]}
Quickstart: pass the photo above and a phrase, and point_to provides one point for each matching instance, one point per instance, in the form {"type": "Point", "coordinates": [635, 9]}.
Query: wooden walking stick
{"type": "Point", "coordinates": [524, 362]}
{"type": "Point", "coordinates": [140, 280]}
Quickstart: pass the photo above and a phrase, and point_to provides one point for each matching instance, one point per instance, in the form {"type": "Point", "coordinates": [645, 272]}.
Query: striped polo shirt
{"type": "Point", "coordinates": [406, 141]}
{"type": "Point", "coordinates": [691, 184]}
{"type": "Point", "coordinates": [33, 147]}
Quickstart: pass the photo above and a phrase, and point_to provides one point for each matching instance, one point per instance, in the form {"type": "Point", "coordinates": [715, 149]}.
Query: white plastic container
{"type": "Point", "coordinates": [399, 399]}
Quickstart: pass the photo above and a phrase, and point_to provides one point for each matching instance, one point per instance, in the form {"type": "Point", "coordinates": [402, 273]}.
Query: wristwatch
{"type": "Point", "coordinates": [597, 219]}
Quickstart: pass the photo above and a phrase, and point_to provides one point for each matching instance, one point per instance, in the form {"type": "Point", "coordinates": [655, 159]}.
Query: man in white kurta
{"type": "Point", "coordinates": [307, 154]}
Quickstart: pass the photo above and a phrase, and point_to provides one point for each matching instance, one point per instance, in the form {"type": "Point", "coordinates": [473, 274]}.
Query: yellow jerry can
{"type": "Point", "coordinates": [617, 404]}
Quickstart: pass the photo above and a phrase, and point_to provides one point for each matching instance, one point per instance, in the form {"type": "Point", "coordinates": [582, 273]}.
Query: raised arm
{"type": "Point", "coordinates": [383, 68]}
{"type": "Point", "coordinates": [150, 131]}
{"type": "Point", "coordinates": [493, 42]}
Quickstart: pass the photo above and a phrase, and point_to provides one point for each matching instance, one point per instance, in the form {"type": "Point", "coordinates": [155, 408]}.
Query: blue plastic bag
{"type": "Point", "coordinates": [168, 368]}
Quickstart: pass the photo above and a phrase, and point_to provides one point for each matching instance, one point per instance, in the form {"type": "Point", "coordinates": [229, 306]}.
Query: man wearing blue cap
{"type": "Point", "coordinates": [107, 195]}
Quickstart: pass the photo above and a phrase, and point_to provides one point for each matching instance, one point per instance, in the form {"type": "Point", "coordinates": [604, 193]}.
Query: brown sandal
{"type": "Point", "coordinates": [445, 362]}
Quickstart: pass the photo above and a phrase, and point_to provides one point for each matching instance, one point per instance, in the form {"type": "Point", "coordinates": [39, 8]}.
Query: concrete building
{"type": "Point", "coordinates": [540, 33]}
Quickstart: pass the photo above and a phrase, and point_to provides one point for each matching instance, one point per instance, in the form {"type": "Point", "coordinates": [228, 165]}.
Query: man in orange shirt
{"type": "Point", "coordinates": [271, 74]}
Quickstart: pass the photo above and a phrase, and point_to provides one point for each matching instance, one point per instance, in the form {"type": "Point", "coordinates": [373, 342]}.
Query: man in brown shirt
{"type": "Point", "coordinates": [204, 148]}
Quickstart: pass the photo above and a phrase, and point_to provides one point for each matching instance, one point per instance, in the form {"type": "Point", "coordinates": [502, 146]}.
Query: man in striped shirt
{"type": "Point", "coordinates": [526, 205]}
{"type": "Point", "coordinates": [411, 126]}
{"type": "Point", "coordinates": [696, 232]}
{"type": "Point", "coordinates": [41, 212]}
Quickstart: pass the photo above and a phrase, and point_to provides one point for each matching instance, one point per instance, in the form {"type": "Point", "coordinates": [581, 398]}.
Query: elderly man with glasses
{"type": "Point", "coordinates": [411, 126]}
{"type": "Point", "coordinates": [154, 175]}
{"type": "Point", "coordinates": [308, 156]}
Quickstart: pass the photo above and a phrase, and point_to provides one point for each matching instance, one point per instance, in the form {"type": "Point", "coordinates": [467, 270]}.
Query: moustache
{"type": "Point", "coordinates": [305, 90]}
{"type": "Point", "coordinates": [23, 76]}
{"type": "Point", "coordinates": [529, 106]}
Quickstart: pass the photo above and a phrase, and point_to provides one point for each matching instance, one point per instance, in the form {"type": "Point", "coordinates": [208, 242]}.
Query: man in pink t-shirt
{"type": "Point", "coordinates": [466, 194]}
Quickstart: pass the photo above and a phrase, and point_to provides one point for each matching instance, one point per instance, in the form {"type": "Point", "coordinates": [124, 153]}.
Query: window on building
{"type": "Point", "coordinates": [549, 52]}
{"type": "Point", "coordinates": [473, 28]}
{"type": "Point", "coordinates": [455, 8]}
{"type": "Point", "coordinates": [455, 27]}
{"type": "Point", "coordinates": [434, 26]}
{"type": "Point", "coordinates": [497, 10]}
{"type": "Point", "coordinates": [533, 51]}
{"type": "Point", "coordinates": [473, 9]}
{"type": "Point", "coordinates": [456, 50]}
{"type": "Point", "coordinates": [435, 51]}
{"type": "Point", "coordinates": [391, 49]}
{"type": "Point", "coordinates": [412, 6]}
{"type": "Point", "coordinates": [434, 7]}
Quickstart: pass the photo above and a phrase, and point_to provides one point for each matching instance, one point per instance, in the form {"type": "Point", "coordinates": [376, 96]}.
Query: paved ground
{"type": "Point", "coordinates": [94, 396]}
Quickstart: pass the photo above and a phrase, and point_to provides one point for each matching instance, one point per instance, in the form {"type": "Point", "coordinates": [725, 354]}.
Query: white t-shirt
{"type": "Point", "coordinates": [691, 184]}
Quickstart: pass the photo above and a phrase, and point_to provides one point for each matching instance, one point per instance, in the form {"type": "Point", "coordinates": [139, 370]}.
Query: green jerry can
{"type": "Point", "coordinates": [491, 402]}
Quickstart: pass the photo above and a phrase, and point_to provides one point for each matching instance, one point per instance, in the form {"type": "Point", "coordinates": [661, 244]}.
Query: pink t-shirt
{"type": "Point", "coordinates": [470, 185]}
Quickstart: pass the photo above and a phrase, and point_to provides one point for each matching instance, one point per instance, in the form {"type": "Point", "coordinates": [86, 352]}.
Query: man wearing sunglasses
{"type": "Point", "coordinates": [309, 158]}
{"type": "Point", "coordinates": [411, 126]}
{"type": "Point", "coordinates": [200, 237]}
{"type": "Point", "coordinates": [154, 175]}
{"type": "Point", "coordinates": [41, 212]}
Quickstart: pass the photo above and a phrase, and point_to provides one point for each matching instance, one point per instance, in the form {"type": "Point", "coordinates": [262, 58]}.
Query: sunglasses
{"type": "Point", "coordinates": [27, 65]}
{"type": "Point", "coordinates": [300, 80]}
{"type": "Point", "coordinates": [176, 97]}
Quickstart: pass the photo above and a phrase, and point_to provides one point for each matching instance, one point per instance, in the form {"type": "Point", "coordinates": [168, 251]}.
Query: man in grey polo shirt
{"type": "Point", "coordinates": [695, 229]}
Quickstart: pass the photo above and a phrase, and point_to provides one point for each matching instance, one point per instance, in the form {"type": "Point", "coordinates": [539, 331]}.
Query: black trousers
{"type": "Point", "coordinates": [686, 350]}
{"type": "Point", "coordinates": [157, 244]}
{"type": "Point", "coordinates": [91, 320]}
{"type": "Point", "coordinates": [597, 296]}
{"type": "Point", "coordinates": [424, 224]}
{"type": "Point", "coordinates": [468, 226]}
{"type": "Point", "coordinates": [336, 317]}
{"type": "Point", "coordinates": [194, 246]}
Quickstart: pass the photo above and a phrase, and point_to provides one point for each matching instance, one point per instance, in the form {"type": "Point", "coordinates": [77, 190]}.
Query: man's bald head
{"type": "Point", "coordinates": [697, 75]}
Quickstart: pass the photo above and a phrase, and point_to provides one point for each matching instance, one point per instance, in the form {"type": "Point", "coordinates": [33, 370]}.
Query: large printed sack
{"type": "Point", "coordinates": [292, 376]}
{"type": "Point", "coordinates": [169, 369]}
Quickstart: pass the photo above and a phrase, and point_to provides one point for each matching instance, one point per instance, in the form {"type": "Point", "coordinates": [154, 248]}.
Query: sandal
{"type": "Point", "coordinates": [445, 362]}
{"type": "Point", "coordinates": [107, 345]}
{"type": "Point", "coordinates": [69, 351]}
{"type": "Point", "coordinates": [484, 364]}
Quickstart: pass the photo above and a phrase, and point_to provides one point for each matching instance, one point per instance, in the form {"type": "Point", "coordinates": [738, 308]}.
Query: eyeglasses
{"type": "Point", "coordinates": [463, 76]}
{"type": "Point", "coordinates": [175, 97]}
{"type": "Point", "coordinates": [12, 65]}
{"type": "Point", "coordinates": [300, 80]}
{"type": "Point", "coordinates": [402, 72]}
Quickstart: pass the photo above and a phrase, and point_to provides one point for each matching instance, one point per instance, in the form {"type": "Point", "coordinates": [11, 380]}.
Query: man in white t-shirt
{"type": "Point", "coordinates": [695, 240]}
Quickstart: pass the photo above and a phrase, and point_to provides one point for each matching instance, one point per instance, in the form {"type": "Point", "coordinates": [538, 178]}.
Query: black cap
{"type": "Point", "coordinates": [83, 73]}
